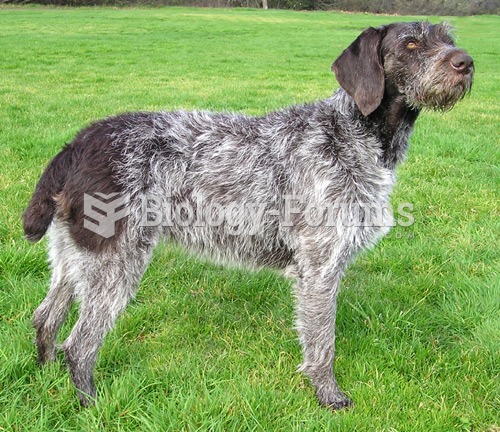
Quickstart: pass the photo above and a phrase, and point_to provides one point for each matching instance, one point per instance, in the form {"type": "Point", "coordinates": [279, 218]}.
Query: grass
{"type": "Point", "coordinates": [207, 348]}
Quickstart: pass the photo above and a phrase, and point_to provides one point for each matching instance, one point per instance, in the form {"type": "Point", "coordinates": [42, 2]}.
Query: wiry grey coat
{"type": "Point", "coordinates": [340, 152]}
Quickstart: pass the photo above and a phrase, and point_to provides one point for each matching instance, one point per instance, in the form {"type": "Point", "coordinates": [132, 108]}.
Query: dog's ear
{"type": "Point", "coordinates": [360, 72]}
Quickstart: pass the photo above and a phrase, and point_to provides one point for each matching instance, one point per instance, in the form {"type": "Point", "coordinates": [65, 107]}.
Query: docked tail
{"type": "Point", "coordinates": [41, 209]}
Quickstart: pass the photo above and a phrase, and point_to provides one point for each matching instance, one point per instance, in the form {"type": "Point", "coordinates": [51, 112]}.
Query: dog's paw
{"type": "Point", "coordinates": [335, 400]}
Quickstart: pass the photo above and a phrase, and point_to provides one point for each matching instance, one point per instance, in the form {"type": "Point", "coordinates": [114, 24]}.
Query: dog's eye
{"type": "Point", "coordinates": [411, 45]}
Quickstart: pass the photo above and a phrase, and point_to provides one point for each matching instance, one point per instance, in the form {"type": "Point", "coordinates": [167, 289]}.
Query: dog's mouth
{"type": "Point", "coordinates": [458, 90]}
{"type": "Point", "coordinates": [443, 92]}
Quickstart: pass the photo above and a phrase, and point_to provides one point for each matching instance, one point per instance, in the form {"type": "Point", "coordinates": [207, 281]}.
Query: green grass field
{"type": "Point", "coordinates": [208, 348]}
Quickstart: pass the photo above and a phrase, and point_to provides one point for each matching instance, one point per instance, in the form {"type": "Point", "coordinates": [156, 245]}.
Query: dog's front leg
{"type": "Point", "coordinates": [316, 292]}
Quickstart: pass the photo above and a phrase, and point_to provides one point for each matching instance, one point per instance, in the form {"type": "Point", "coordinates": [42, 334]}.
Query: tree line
{"type": "Point", "coordinates": [402, 7]}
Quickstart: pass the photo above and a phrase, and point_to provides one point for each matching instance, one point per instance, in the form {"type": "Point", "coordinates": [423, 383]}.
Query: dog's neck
{"type": "Point", "coordinates": [391, 123]}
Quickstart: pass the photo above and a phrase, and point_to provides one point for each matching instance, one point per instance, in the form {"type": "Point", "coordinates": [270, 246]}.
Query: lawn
{"type": "Point", "coordinates": [209, 348]}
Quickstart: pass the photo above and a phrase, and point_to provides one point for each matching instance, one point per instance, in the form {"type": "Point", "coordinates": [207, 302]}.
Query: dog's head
{"type": "Point", "coordinates": [418, 60]}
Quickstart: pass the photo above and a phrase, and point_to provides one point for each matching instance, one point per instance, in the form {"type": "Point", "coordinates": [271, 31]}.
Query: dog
{"type": "Point", "coordinates": [180, 175]}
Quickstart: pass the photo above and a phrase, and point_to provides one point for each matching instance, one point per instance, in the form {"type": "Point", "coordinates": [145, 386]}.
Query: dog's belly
{"type": "Point", "coordinates": [225, 246]}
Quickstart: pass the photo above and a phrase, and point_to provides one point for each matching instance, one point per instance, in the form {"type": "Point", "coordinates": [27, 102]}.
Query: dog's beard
{"type": "Point", "coordinates": [439, 92]}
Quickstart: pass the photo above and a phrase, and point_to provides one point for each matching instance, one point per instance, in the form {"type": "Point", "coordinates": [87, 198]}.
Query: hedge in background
{"type": "Point", "coordinates": [404, 7]}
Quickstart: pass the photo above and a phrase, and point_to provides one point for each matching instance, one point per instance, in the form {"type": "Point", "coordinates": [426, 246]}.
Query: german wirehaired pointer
{"type": "Point", "coordinates": [282, 169]}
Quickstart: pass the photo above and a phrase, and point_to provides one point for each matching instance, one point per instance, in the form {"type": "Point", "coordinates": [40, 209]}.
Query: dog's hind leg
{"type": "Point", "coordinates": [109, 280]}
{"type": "Point", "coordinates": [53, 310]}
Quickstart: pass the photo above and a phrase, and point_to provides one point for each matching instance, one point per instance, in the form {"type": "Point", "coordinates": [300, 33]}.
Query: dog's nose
{"type": "Point", "coordinates": [462, 62]}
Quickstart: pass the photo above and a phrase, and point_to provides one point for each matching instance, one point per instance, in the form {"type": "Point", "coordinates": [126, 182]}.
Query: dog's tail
{"type": "Point", "coordinates": [40, 212]}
